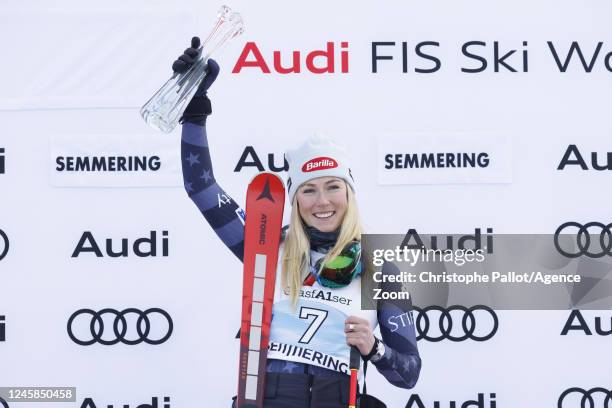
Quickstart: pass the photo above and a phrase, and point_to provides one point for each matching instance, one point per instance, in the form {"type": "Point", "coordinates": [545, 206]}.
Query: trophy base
{"type": "Point", "coordinates": [157, 121]}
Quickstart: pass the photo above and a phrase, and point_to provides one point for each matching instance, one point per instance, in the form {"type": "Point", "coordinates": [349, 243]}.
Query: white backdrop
{"type": "Point", "coordinates": [74, 75]}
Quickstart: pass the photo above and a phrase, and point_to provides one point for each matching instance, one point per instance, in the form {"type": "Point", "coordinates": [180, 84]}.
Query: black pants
{"type": "Point", "coordinates": [305, 391]}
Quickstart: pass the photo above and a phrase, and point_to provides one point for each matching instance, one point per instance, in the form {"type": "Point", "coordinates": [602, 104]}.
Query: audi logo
{"type": "Point", "coordinates": [445, 323]}
{"type": "Point", "coordinates": [583, 240]}
{"type": "Point", "coordinates": [142, 326]}
{"type": "Point", "coordinates": [587, 400]}
{"type": "Point", "coordinates": [4, 244]}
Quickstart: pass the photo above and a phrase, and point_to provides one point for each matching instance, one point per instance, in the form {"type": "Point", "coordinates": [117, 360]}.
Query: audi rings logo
{"type": "Point", "coordinates": [478, 323]}
{"type": "Point", "coordinates": [3, 403]}
{"type": "Point", "coordinates": [4, 244]}
{"type": "Point", "coordinates": [587, 245]}
{"type": "Point", "coordinates": [130, 326]}
{"type": "Point", "coordinates": [594, 398]}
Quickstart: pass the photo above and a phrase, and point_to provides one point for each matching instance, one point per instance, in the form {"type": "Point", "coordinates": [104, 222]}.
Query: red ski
{"type": "Point", "coordinates": [264, 216]}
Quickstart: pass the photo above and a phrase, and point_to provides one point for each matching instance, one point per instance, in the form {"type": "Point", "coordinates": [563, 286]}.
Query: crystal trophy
{"type": "Point", "coordinates": [165, 108]}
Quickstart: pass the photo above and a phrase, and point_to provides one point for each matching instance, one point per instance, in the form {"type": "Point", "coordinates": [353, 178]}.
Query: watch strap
{"type": "Point", "coordinates": [374, 350]}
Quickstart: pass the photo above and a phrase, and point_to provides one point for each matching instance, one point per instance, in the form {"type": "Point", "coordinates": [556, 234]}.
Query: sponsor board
{"type": "Point", "coordinates": [111, 326]}
{"type": "Point", "coordinates": [153, 245]}
{"type": "Point", "coordinates": [474, 57]}
{"type": "Point", "coordinates": [577, 397]}
{"type": "Point", "coordinates": [444, 158]}
{"type": "Point", "coordinates": [578, 160]}
{"type": "Point", "coordinates": [4, 244]}
{"type": "Point", "coordinates": [101, 160]}
{"type": "Point", "coordinates": [156, 402]}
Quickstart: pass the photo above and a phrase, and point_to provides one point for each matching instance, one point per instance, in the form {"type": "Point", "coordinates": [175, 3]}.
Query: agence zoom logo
{"type": "Point", "coordinates": [456, 323]}
{"type": "Point", "coordinates": [4, 244]}
{"type": "Point", "coordinates": [130, 326]}
{"type": "Point", "coordinates": [593, 239]}
{"type": "Point", "coordinates": [575, 397]}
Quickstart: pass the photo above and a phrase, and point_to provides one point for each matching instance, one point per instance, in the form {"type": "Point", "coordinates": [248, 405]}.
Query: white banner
{"type": "Point", "coordinates": [100, 160]}
{"type": "Point", "coordinates": [444, 158]}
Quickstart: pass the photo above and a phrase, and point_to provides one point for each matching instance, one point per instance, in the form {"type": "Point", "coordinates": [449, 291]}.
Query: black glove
{"type": "Point", "coordinates": [199, 107]}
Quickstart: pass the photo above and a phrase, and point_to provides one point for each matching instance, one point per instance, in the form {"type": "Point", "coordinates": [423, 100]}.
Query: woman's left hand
{"type": "Point", "coordinates": [359, 334]}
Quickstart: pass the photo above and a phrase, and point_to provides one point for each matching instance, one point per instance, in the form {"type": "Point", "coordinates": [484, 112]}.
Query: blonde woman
{"type": "Point", "coordinates": [317, 312]}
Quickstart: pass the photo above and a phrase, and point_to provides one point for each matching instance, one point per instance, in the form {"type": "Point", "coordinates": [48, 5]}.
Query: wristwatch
{"type": "Point", "coordinates": [378, 351]}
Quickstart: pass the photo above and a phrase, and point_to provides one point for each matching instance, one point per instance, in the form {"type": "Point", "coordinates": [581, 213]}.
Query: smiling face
{"type": "Point", "coordinates": [322, 202]}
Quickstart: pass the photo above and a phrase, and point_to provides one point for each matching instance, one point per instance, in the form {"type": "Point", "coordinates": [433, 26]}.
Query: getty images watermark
{"type": "Point", "coordinates": [37, 394]}
{"type": "Point", "coordinates": [502, 271]}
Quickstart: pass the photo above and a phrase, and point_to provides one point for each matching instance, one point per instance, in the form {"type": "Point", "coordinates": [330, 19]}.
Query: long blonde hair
{"type": "Point", "coordinates": [296, 253]}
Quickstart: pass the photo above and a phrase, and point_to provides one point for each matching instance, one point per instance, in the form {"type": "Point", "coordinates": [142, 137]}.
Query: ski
{"type": "Point", "coordinates": [262, 231]}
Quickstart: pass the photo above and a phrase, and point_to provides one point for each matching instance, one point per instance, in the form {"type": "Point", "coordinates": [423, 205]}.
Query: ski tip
{"type": "Point", "coordinates": [263, 174]}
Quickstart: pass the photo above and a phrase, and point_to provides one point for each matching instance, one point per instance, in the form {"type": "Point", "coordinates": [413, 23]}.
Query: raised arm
{"type": "Point", "coordinates": [218, 208]}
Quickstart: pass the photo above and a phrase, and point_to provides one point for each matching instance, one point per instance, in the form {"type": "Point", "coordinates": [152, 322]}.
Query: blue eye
{"type": "Point", "coordinates": [334, 187]}
{"type": "Point", "coordinates": [308, 191]}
